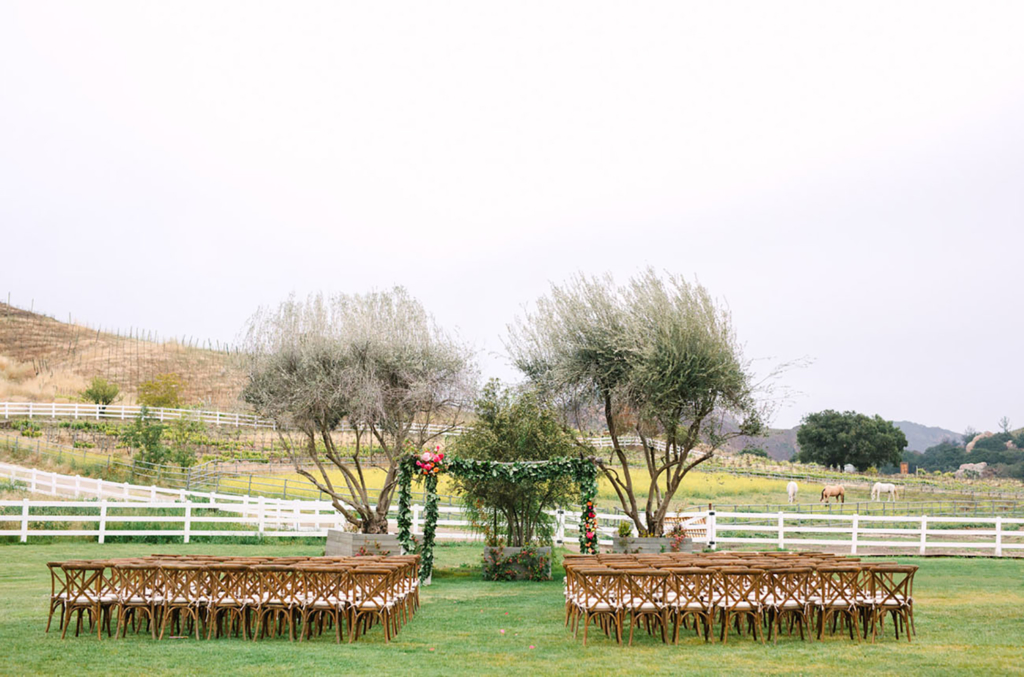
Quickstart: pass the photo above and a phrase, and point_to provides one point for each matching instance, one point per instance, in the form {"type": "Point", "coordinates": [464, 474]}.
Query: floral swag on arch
{"type": "Point", "coordinates": [428, 465]}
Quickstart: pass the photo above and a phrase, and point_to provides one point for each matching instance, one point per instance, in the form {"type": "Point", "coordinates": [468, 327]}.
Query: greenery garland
{"type": "Point", "coordinates": [405, 470]}
{"type": "Point", "coordinates": [582, 470]}
{"type": "Point", "coordinates": [429, 527]}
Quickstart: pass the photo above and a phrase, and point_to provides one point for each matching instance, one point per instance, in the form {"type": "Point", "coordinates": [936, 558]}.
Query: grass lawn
{"type": "Point", "coordinates": [969, 613]}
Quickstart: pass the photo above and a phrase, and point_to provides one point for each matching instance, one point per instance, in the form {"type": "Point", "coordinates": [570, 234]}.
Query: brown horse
{"type": "Point", "coordinates": [833, 491]}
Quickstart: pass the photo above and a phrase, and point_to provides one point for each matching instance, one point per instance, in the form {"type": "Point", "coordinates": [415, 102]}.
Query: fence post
{"type": "Point", "coordinates": [78, 485]}
{"type": "Point", "coordinates": [99, 489]}
{"type": "Point", "coordinates": [286, 488]}
{"type": "Point", "coordinates": [188, 521]}
{"type": "Point", "coordinates": [103, 521]}
{"type": "Point", "coordinates": [35, 474]}
{"type": "Point", "coordinates": [999, 537]}
{"type": "Point", "coordinates": [152, 493]}
{"type": "Point", "coordinates": [853, 539]}
{"type": "Point", "coordinates": [560, 528]}
{"type": "Point", "coordinates": [24, 521]}
{"type": "Point", "coordinates": [127, 490]}
{"type": "Point", "coordinates": [782, 528]}
{"type": "Point", "coordinates": [924, 532]}
{"type": "Point", "coordinates": [296, 510]}
{"type": "Point", "coordinates": [262, 515]}
{"type": "Point", "coordinates": [416, 528]}
{"type": "Point", "coordinates": [712, 523]}
{"type": "Point", "coordinates": [53, 483]}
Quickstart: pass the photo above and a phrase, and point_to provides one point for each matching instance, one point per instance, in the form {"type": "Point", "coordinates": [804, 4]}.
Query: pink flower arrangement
{"type": "Point", "coordinates": [431, 463]}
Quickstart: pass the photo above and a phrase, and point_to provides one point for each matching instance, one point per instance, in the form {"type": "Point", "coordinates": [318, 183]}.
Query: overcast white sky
{"type": "Point", "coordinates": [848, 177]}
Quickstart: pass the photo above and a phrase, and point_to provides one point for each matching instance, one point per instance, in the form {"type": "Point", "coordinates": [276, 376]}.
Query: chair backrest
{"type": "Point", "coordinates": [373, 583]}
{"type": "Point", "coordinates": [58, 580]}
{"type": "Point", "coordinates": [135, 581]}
{"type": "Point", "coordinates": [178, 581]}
{"type": "Point", "coordinates": [276, 584]}
{"type": "Point", "coordinates": [691, 585]}
{"type": "Point", "coordinates": [893, 584]}
{"type": "Point", "coordinates": [740, 587]}
{"type": "Point", "coordinates": [600, 586]}
{"type": "Point", "coordinates": [84, 581]}
{"type": "Point", "coordinates": [645, 587]}
{"type": "Point", "coordinates": [839, 584]}
{"type": "Point", "coordinates": [324, 583]}
{"type": "Point", "coordinates": [789, 585]}
{"type": "Point", "coordinates": [229, 582]}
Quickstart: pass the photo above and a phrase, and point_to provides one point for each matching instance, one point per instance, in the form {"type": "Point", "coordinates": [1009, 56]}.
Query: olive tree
{"type": "Point", "coordinates": [658, 362]}
{"type": "Point", "coordinates": [377, 362]}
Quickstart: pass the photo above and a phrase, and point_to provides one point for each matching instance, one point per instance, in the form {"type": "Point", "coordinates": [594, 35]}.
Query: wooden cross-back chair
{"type": "Point", "coordinates": [58, 593]}
{"type": "Point", "coordinates": [135, 584]}
{"type": "Point", "coordinates": [644, 599]}
{"type": "Point", "coordinates": [600, 597]}
{"type": "Point", "coordinates": [788, 598]}
{"type": "Point", "coordinates": [893, 588]}
{"type": "Point", "coordinates": [688, 596]}
{"type": "Point", "coordinates": [231, 598]}
{"type": "Point", "coordinates": [741, 598]}
{"type": "Point", "coordinates": [179, 605]}
{"type": "Point", "coordinates": [85, 590]}
{"type": "Point", "coordinates": [326, 592]}
{"type": "Point", "coordinates": [276, 588]}
{"type": "Point", "coordinates": [838, 597]}
{"type": "Point", "coordinates": [373, 599]}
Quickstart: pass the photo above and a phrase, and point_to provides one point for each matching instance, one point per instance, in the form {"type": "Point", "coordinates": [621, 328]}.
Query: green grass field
{"type": "Point", "coordinates": [970, 620]}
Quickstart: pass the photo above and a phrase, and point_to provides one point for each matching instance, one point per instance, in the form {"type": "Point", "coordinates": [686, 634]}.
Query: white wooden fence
{"type": "Point", "coordinates": [83, 410]}
{"type": "Point", "coordinates": [113, 503]}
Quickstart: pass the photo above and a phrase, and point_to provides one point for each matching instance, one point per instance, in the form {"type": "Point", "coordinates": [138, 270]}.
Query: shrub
{"type": "Point", "coordinates": [625, 529]}
{"type": "Point", "coordinates": [163, 391]}
{"type": "Point", "coordinates": [144, 435]}
{"type": "Point", "coordinates": [101, 391]}
{"type": "Point", "coordinates": [528, 564]}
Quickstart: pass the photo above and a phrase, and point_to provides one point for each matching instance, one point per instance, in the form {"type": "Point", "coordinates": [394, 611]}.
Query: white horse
{"type": "Point", "coordinates": [880, 488]}
{"type": "Point", "coordinates": [791, 489]}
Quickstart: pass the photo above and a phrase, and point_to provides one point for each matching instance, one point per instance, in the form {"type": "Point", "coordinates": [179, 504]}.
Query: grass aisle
{"type": "Point", "coordinates": [970, 620]}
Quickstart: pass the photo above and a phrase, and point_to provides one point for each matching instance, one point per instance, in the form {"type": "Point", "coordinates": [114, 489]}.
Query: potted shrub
{"type": "Point", "coordinates": [675, 541]}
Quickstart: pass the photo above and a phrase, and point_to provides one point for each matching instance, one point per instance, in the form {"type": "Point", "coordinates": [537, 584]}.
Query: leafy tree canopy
{"type": "Point", "coordinates": [162, 391]}
{"type": "Point", "coordinates": [834, 439]}
{"type": "Point", "coordinates": [659, 360]}
{"type": "Point", "coordinates": [101, 391]}
{"type": "Point", "coordinates": [512, 426]}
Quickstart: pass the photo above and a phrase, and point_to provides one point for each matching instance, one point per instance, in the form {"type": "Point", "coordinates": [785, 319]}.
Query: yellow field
{"type": "Point", "coordinates": [697, 490]}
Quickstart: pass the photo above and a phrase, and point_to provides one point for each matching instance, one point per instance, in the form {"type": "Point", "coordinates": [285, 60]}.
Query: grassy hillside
{"type": "Point", "coordinates": [44, 359]}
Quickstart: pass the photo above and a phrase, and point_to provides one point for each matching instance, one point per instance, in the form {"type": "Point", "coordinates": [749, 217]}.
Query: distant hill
{"type": "Point", "coordinates": [43, 359]}
{"type": "Point", "coordinates": [781, 443]}
{"type": "Point", "coordinates": [920, 437]}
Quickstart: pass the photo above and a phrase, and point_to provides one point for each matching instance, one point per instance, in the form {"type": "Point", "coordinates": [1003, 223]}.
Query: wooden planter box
{"type": "Point", "coordinates": [520, 570]}
{"type": "Point", "coordinates": [648, 545]}
{"type": "Point", "coordinates": [350, 544]}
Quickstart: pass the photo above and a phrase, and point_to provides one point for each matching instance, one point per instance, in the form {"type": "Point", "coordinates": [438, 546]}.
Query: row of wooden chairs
{"type": "Point", "coordinates": [215, 596]}
{"type": "Point", "coordinates": [764, 589]}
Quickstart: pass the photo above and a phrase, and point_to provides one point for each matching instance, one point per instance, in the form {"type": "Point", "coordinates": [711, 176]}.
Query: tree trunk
{"type": "Point", "coordinates": [375, 525]}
